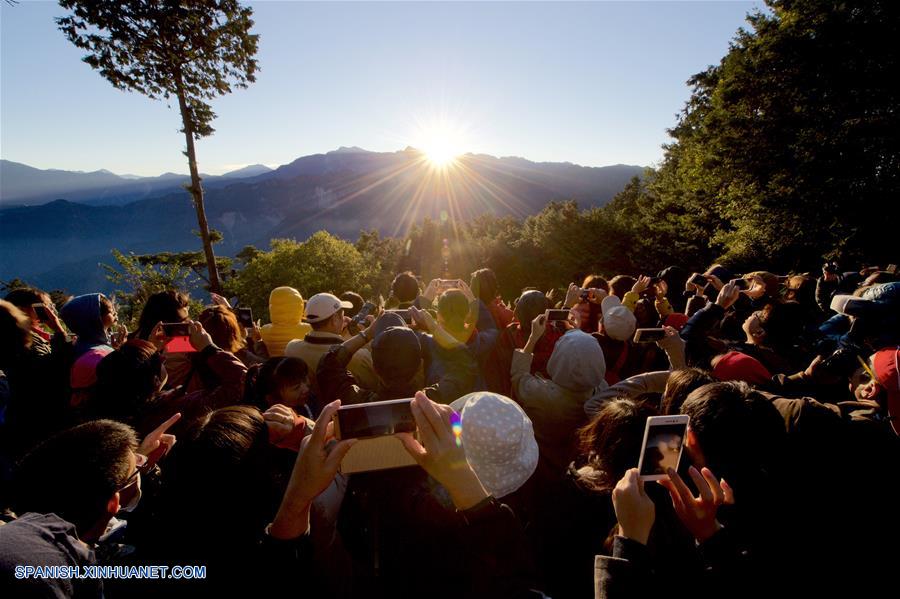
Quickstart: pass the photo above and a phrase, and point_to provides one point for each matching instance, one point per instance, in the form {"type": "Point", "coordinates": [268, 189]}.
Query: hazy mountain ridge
{"type": "Point", "coordinates": [341, 191]}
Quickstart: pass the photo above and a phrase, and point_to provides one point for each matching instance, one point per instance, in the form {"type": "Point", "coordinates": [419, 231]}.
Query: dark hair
{"type": "Point", "coordinates": [738, 430]}
{"type": "Point", "coordinates": [529, 305]}
{"type": "Point", "coordinates": [619, 285]}
{"type": "Point", "coordinates": [127, 381]}
{"type": "Point", "coordinates": [270, 377]}
{"type": "Point", "coordinates": [23, 297]}
{"type": "Point", "coordinates": [73, 474]}
{"type": "Point", "coordinates": [223, 326]}
{"type": "Point", "coordinates": [783, 323]}
{"type": "Point", "coordinates": [355, 299]}
{"type": "Point", "coordinates": [680, 384]}
{"type": "Point", "coordinates": [453, 307]}
{"type": "Point", "coordinates": [15, 333]}
{"type": "Point", "coordinates": [484, 285]}
{"type": "Point", "coordinates": [645, 313]}
{"type": "Point", "coordinates": [405, 287]}
{"type": "Point", "coordinates": [611, 443]}
{"type": "Point", "coordinates": [161, 307]}
{"type": "Point", "coordinates": [595, 282]}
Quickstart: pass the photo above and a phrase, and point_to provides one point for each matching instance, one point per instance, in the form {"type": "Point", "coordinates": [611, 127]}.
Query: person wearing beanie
{"type": "Point", "coordinates": [556, 406]}
{"type": "Point", "coordinates": [396, 359]}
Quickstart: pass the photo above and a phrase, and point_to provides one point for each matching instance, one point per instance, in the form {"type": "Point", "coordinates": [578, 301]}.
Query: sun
{"type": "Point", "coordinates": [441, 142]}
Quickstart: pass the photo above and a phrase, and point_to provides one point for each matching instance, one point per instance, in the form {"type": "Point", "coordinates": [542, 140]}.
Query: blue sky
{"type": "Point", "coordinates": [593, 83]}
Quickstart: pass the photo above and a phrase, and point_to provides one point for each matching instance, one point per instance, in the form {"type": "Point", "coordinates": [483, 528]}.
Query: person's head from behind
{"type": "Point", "coordinates": [776, 325]}
{"type": "Point", "coordinates": [405, 287]}
{"type": "Point", "coordinates": [165, 306]}
{"type": "Point", "coordinates": [84, 475]}
{"type": "Point", "coordinates": [484, 285]}
{"type": "Point", "coordinates": [595, 282]}
{"type": "Point", "coordinates": [452, 310]}
{"type": "Point", "coordinates": [25, 299]}
{"type": "Point", "coordinates": [645, 314]}
{"type": "Point", "coordinates": [396, 356]}
{"type": "Point", "coordinates": [800, 288]}
{"type": "Point", "coordinates": [679, 385]}
{"type": "Point", "coordinates": [529, 306]}
{"type": "Point", "coordinates": [15, 333]}
{"type": "Point", "coordinates": [619, 285]}
{"type": "Point", "coordinates": [325, 313]}
{"type": "Point", "coordinates": [223, 463]}
{"type": "Point", "coordinates": [128, 379]}
{"type": "Point", "coordinates": [610, 444]}
{"type": "Point", "coordinates": [355, 299]}
{"type": "Point", "coordinates": [278, 381]}
{"type": "Point", "coordinates": [733, 430]}
{"type": "Point", "coordinates": [223, 326]}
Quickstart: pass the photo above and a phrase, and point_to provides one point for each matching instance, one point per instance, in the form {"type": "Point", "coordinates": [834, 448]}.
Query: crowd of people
{"type": "Point", "coordinates": [196, 440]}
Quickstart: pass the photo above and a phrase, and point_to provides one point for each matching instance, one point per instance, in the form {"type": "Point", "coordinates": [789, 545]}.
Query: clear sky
{"type": "Point", "coordinates": [594, 83]}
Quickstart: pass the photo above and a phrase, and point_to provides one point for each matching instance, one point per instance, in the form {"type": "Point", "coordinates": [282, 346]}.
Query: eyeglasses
{"type": "Point", "coordinates": [140, 467]}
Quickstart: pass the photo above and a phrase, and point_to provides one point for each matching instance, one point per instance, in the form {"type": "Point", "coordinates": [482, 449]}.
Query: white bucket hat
{"type": "Point", "coordinates": [618, 321]}
{"type": "Point", "coordinates": [498, 439]}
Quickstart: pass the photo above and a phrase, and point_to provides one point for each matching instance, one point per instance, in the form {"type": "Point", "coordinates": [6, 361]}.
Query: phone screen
{"type": "Point", "coordinates": [741, 284]}
{"type": "Point", "coordinates": [699, 280]}
{"type": "Point", "coordinates": [41, 311]}
{"type": "Point", "coordinates": [662, 446]}
{"type": "Point", "coordinates": [649, 335]}
{"type": "Point", "coordinates": [557, 314]}
{"type": "Point", "coordinates": [375, 419]}
{"type": "Point", "coordinates": [245, 317]}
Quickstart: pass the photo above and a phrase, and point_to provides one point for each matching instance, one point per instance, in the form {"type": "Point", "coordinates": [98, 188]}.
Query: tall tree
{"type": "Point", "coordinates": [190, 50]}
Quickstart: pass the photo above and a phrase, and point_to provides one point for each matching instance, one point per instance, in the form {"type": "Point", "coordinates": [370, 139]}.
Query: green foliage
{"type": "Point", "coordinates": [321, 263]}
{"type": "Point", "coordinates": [138, 277]}
{"type": "Point", "coordinates": [198, 49]}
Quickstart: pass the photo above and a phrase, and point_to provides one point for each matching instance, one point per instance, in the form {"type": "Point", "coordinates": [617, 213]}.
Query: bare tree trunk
{"type": "Point", "coordinates": [197, 195]}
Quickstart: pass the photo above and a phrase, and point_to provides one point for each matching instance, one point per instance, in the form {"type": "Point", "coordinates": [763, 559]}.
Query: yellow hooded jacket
{"type": "Point", "coordinates": [286, 309]}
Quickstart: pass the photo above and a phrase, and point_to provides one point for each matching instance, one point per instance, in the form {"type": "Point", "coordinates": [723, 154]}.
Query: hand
{"type": "Point", "coordinates": [440, 454]}
{"type": "Point", "coordinates": [286, 428]}
{"type": "Point", "coordinates": [728, 294]}
{"type": "Point", "coordinates": [423, 319]}
{"type": "Point", "coordinates": [672, 339]}
{"type": "Point", "coordinates": [634, 509]}
{"type": "Point", "coordinates": [199, 338]}
{"type": "Point", "coordinates": [698, 514]}
{"type": "Point", "coordinates": [219, 300]}
{"type": "Point", "coordinates": [158, 337]}
{"type": "Point", "coordinates": [256, 332]}
{"type": "Point", "coordinates": [119, 337]}
{"type": "Point", "coordinates": [432, 290]}
{"type": "Point", "coordinates": [641, 284]}
{"type": "Point", "coordinates": [662, 288]}
{"type": "Point", "coordinates": [716, 281]}
{"type": "Point", "coordinates": [314, 470]}
{"type": "Point", "coordinates": [813, 368]}
{"type": "Point", "coordinates": [688, 286]}
{"type": "Point", "coordinates": [466, 291]}
{"type": "Point", "coordinates": [578, 314]}
{"type": "Point", "coordinates": [573, 295]}
{"type": "Point", "coordinates": [158, 443]}
{"type": "Point", "coordinates": [52, 319]}
{"type": "Point", "coordinates": [757, 287]}
{"type": "Point", "coordinates": [538, 327]}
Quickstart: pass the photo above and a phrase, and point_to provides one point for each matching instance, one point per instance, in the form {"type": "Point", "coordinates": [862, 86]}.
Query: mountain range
{"type": "Point", "coordinates": [60, 243]}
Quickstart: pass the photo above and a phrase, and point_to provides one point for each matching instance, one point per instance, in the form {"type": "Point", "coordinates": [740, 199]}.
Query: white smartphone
{"type": "Point", "coordinates": [664, 438]}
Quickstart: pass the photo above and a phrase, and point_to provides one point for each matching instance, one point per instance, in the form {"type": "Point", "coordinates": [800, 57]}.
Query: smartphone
{"type": "Point", "coordinates": [741, 284]}
{"type": "Point", "coordinates": [245, 317]}
{"type": "Point", "coordinates": [41, 311]}
{"type": "Point", "coordinates": [179, 334]}
{"type": "Point", "coordinates": [367, 309]}
{"type": "Point", "coordinates": [698, 280]}
{"type": "Point", "coordinates": [406, 315]}
{"type": "Point", "coordinates": [557, 315]}
{"type": "Point", "coordinates": [448, 283]}
{"type": "Point", "coordinates": [375, 419]}
{"type": "Point", "coordinates": [649, 335]}
{"type": "Point", "coordinates": [664, 438]}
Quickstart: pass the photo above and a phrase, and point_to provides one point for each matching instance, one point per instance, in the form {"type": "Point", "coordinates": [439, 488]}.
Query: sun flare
{"type": "Point", "coordinates": [441, 142]}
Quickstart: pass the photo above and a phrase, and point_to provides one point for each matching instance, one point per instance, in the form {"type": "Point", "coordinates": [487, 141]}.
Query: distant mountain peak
{"type": "Point", "coordinates": [349, 150]}
{"type": "Point", "coordinates": [251, 170]}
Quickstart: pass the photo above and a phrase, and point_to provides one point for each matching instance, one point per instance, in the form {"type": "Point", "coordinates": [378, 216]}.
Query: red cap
{"type": "Point", "coordinates": [735, 366]}
{"type": "Point", "coordinates": [886, 363]}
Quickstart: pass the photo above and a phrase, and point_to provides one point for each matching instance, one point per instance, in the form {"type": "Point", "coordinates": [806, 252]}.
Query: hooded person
{"type": "Point", "coordinates": [89, 317]}
{"type": "Point", "coordinates": [286, 309]}
{"type": "Point", "coordinates": [556, 406]}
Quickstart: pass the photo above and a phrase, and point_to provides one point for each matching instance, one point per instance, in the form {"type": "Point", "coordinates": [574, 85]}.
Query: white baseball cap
{"type": "Point", "coordinates": [618, 321]}
{"type": "Point", "coordinates": [498, 439]}
{"type": "Point", "coordinates": [322, 306]}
